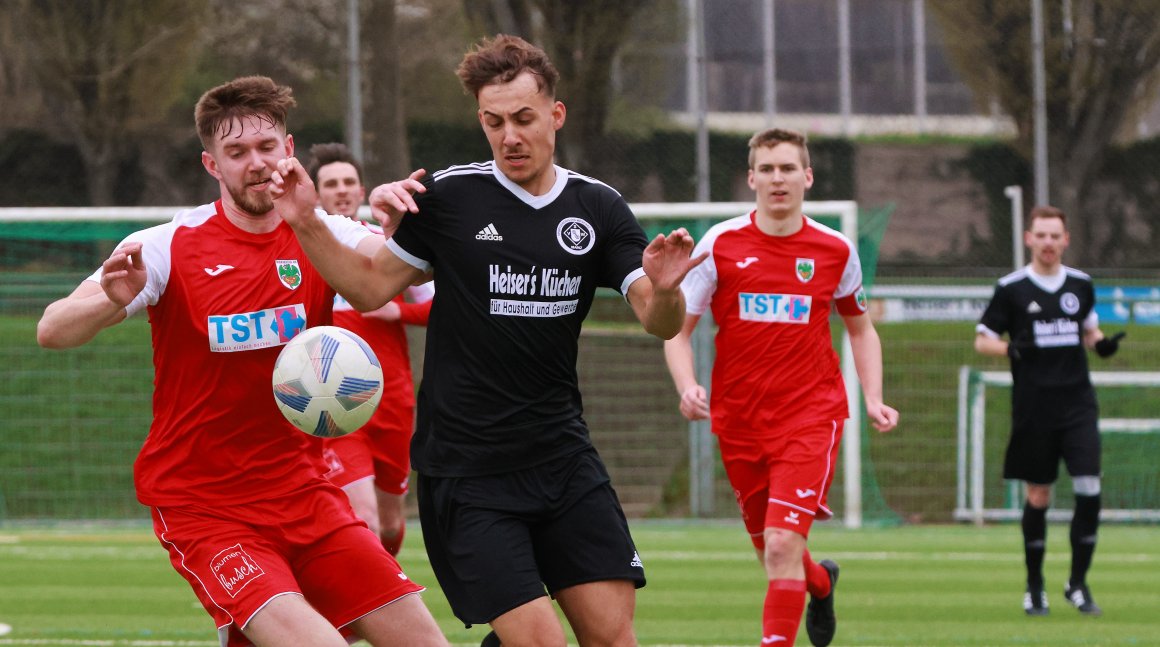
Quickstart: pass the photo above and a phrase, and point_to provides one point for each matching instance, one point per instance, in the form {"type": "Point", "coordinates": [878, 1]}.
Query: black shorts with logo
{"type": "Point", "coordinates": [1049, 425]}
{"type": "Point", "coordinates": [497, 541]}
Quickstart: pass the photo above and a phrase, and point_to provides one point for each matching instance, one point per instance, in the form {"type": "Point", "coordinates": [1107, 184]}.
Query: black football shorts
{"type": "Point", "coordinates": [1049, 425]}
{"type": "Point", "coordinates": [498, 541]}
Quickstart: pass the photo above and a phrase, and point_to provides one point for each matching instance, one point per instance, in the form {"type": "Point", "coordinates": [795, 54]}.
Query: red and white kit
{"type": "Point", "coordinates": [778, 400]}
{"type": "Point", "coordinates": [221, 468]}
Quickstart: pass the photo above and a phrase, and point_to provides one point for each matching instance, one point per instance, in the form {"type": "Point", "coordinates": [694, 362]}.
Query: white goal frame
{"type": "Point", "coordinates": [971, 476]}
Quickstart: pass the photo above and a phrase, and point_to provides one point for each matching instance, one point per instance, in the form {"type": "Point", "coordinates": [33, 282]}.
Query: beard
{"type": "Point", "coordinates": [255, 203]}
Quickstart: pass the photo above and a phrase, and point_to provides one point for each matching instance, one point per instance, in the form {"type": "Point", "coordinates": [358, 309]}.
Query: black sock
{"type": "Point", "coordinates": [1084, 524]}
{"type": "Point", "coordinates": [1034, 543]}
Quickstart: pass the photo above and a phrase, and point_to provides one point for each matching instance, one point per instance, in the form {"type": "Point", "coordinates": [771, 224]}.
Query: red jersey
{"type": "Point", "coordinates": [222, 302]}
{"type": "Point", "coordinates": [771, 296]}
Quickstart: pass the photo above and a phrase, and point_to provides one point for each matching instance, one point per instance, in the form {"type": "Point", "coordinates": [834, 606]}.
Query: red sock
{"type": "Point", "coordinates": [817, 578]}
{"type": "Point", "coordinates": [784, 602]}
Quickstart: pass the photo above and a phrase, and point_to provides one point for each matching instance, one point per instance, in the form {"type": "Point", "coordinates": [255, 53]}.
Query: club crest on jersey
{"type": "Point", "coordinates": [860, 299]}
{"type": "Point", "coordinates": [1069, 303]}
{"type": "Point", "coordinates": [289, 273]}
{"type": "Point", "coordinates": [804, 269]}
{"type": "Point", "coordinates": [576, 236]}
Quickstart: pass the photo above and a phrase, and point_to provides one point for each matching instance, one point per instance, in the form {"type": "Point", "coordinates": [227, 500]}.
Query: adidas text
{"type": "Point", "coordinates": [488, 233]}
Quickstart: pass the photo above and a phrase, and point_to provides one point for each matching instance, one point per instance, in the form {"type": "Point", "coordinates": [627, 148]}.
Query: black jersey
{"type": "Point", "coordinates": [1025, 308]}
{"type": "Point", "coordinates": [515, 275]}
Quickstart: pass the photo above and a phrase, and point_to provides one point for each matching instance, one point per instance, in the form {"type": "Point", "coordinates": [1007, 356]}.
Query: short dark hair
{"type": "Point", "coordinates": [1046, 211]}
{"type": "Point", "coordinates": [774, 136]}
{"type": "Point", "coordinates": [503, 58]}
{"type": "Point", "coordinates": [329, 153]}
{"type": "Point", "coordinates": [247, 96]}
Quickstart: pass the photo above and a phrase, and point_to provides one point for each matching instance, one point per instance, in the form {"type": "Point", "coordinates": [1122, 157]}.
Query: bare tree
{"type": "Point", "coordinates": [1102, 69]}
{"type": "Point", "coordinates": [96, 66]}
{"type": "Point", "coordinates": [385, 133]}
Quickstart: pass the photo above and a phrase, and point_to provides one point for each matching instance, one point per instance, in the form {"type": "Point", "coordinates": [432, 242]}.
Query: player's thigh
{"type": "Point", "coordinates": [531, 623]}
{"type": "Point", "coordinates": [348, 574]}
{"type": "Point", "coordinates": [801, 469]}
{"type": "Point", "coordinates": [288, 620]}
{"type": "Point", "coordinates": [392, 508]}
{"type": "Point", "coordinates": [584, 536]}
{"type": "Point", "coordinates": [748, 475]}
{"type": "Point", "coordinates": [1080, 445]}
{"type": "Point", "coordinates": [479, 545]}
{"type": "Point", "coordinates": [364, 501]}
{"type": "Point", "coordinates": [1032, 454]}
{"type": "Point", "coordinates": [600, 613]}
{"type": "Point", "coordinates": [404, 623]}
{"type": "Point", "coordinates": [234, 568]}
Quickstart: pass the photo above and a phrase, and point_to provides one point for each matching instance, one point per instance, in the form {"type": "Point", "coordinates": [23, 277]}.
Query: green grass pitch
{"type": "Point", "coordinates": [909, 585]}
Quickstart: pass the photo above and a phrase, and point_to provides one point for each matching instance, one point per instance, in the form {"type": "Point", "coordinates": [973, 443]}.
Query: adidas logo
{"type": "Point", "coordinates": [636, 563]}
{"type": "Point", "coordinates": [488, 233]}
{"type": "Point", "coordinates": [1034, 307]}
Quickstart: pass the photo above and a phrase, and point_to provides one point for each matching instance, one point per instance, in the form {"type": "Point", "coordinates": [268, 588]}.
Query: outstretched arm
{"type": "Point", "coordinates": [367, 277]}
{"type": "Point", "coordinates": [656, 298]}
{"type": "Point", "coordinates": [92, 307]}
{"type": "Point", "coordinates": [679, 358]}
{"type": "Point", "coordinates": [867, 349]}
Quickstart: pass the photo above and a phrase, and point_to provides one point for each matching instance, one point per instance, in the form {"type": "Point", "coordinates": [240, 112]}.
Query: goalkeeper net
{"type": "Point", "coordinates": [1129, 437]}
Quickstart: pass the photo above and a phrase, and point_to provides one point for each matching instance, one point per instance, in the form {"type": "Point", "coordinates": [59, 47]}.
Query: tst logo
{"type": "Point", "coordinates": [775, 308]}
{"type": "Point", "coordinates": [259, 329]}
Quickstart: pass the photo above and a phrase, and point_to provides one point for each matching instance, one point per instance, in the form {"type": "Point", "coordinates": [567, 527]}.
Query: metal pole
{"type": "Point", "coordinates": [918, 11]}
{"type": "Point", "coordinates": [701, 467]}
{"type": "Point", "coordinates": [770, 59]}
{"type": "Point", "coordinates": [354, 123]}
{"type": "Point", "coordinates": [845, 102]}
{"type": "Point", "coordinates": [1015, 194]}
{"type": "Point", "coordinates": [1042, 194]}
{"type": "Point", "coordinates": [692, 75]}
{"type": "Point", "coordinates": [702, 91]}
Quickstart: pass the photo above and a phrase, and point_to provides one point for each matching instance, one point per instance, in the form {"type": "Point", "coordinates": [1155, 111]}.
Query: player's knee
{"type": "Point", "coordinates": [1086, 485]}
{"type": "Point", "coordinates": [783, 548]}
{"type": "Point", "coordinates": [391, 536]}
{"type": "Point", "coordinates": [1038, 496]}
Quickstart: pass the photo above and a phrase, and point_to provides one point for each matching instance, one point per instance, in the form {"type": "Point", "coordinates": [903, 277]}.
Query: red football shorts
{"type": "Point", "coordinates": [381, 448]}
{"type": "Point", "coordinates": [782, 481]}
{"type": "Point", "coordinates": [239, 557]}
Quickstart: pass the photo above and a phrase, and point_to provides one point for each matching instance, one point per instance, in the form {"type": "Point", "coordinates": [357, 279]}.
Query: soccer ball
{"type": "Point", "coordinates": [327, 381]}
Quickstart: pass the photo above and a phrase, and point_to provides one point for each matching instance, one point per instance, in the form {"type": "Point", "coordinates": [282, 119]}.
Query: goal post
{"type": "Point", "coordinates": [1127, 433]}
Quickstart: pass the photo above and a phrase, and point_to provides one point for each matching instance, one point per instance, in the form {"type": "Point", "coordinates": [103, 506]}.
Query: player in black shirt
{"type": "Point", "coordinates": [513, 497]}
{"type": "Point", "coordinates": [1047, 311]}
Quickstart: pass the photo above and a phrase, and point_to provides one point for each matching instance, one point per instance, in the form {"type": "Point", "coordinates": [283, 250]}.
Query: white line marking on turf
{"type": "Point", "coordinates": [877, 556]}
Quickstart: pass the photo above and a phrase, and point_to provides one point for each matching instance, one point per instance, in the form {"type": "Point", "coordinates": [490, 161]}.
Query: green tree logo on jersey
{"type": "Point", "coordinates": [289, 273]}
{"type": "Point", "coordinates": [804, 269]}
